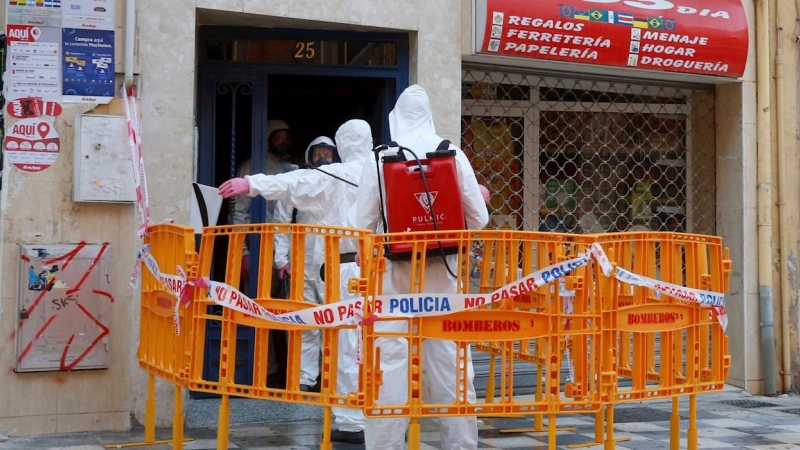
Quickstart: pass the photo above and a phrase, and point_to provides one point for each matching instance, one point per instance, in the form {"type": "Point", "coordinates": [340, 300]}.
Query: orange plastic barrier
{"type": "Point", "coordinates": [517, 319]}
{"type": "Point", "coordinates": [666, 346]}
{"type": "Point", "coordinates": [215, 239]}
{"type": "Point", "coordinates": [161, 352]}
{"type": "Point", "coordinates": [540, 300]}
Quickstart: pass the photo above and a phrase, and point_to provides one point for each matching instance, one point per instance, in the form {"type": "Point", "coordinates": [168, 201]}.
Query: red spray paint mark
{"type": "Point", "coordinates": [25, 258]}
{"type": "Point", "coordinates": [69, 257]}
{"type": "Point", "coordinates": [61, 381]}
{"type": "Point", "coordinates": [104, 294]}
{"type": "Point", "coordinates": [91, 268]}
{"type": "Point", "coordinates": [80, 357]}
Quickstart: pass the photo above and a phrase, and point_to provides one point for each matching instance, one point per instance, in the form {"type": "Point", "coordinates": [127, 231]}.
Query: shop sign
{"type": "Point", "coordinates": [708, 37]}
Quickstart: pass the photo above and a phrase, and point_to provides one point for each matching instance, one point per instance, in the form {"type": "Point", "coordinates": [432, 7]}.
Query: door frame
{"type": "Point", "coordinates": [210, 72]}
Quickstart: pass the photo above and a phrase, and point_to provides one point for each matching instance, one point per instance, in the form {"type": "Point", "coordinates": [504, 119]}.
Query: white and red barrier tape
{"type": "Point", "coordinates": [405, 306]}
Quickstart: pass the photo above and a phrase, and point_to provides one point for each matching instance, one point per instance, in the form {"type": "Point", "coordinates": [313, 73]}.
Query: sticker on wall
{"type": "Point", "coordinates": [32, 145]}
{"type": "Point", "coordinates": [29, 107]}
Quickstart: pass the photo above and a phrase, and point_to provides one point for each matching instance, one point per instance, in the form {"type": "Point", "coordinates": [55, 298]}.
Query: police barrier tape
{"type": "Point", "coordinates": [139, 178]}
{"type": "Point", "coordinates": [177, 285]}
{"type": "Point", "coordinates": [348, 312]}
{"type": "Point", "coordinates": [405, 306]}
{"type": "Point", "coordinates": [715, 300]}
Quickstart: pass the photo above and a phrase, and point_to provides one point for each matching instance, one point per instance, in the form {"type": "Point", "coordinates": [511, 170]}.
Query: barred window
{"type": "Point", "coordinates": [584, 156]}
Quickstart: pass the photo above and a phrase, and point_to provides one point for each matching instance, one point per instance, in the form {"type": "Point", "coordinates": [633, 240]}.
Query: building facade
{"type": "Point", "coordinates": [565, 141]}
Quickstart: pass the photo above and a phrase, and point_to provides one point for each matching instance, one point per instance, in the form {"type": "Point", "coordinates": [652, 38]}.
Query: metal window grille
{"type": "Point", "coordinates": [585, 156]}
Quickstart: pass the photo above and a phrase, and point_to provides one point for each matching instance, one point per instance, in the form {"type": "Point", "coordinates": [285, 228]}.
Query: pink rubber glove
{"type": "Point", "coordinates": [485, 192]}
{"type": "Point", "coordinates": [358, 259]}
{"type": "Point", "coordinates": [234, 186]}
{"type": "Point", "coordinates": [283, 271]}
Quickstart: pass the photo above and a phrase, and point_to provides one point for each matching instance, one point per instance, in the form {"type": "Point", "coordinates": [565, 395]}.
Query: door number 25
{"type": "Point", "coordinates": [305, 50]}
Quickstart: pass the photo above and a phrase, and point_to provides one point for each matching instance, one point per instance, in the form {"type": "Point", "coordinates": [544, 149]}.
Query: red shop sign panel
{"type": "Point", "coordinates": [706, 37]}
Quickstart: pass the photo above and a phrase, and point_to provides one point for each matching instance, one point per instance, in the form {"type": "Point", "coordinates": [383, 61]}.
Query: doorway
{"type": "Point", "coordinates": [249, 76]}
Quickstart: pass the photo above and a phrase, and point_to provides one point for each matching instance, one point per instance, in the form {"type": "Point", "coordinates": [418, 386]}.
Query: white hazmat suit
{"type": "Point", "coordinates": [326, 200]}
{"type": "Point", "coordinates": [313, 286]}
{"type": "Point", "coordinates": [411, 125]}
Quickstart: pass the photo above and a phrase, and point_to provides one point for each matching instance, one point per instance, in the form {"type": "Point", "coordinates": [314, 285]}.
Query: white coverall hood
{"type": "Point", "coordinates": [411, 115]}
{"type": "Point", "coordinates": [354, 142]}
{"type": "Point", "coordinates": [320, 140]}
{"type": "Point", "coordinates": [275, 125]}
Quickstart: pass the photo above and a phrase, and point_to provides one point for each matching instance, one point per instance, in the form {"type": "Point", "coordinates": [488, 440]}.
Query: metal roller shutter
{"type": "Point", "coordinates": [587, 156]}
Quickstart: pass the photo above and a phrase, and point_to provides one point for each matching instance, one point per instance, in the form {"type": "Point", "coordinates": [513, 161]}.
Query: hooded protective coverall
{"type": "Point", "coordinates": [313, 286]}
{"type": "Point", "coordinates": [326, 201]}
{"type": "Point", "coordinates": [411, 125]}
{"type": "Point", "coordinates": [242, 213]}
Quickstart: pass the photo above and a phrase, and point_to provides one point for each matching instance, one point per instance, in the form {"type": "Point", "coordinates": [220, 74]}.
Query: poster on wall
{"type": "Point", "coordinates": [43, 13]}
{"type": "Point", "coordinates": [88, 14]}
{"type": "Point", "coordinates": [33, 62]}
{"type": "Point", "coordinates": [710, 38]}
{"type": "Point", "coordinates": [32, 145]}
{"type": "Point", "coordinates": [88, 66]}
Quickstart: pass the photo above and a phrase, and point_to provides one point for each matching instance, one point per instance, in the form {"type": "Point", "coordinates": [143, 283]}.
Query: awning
{"type": "Point", "coordinates": [706, 37]}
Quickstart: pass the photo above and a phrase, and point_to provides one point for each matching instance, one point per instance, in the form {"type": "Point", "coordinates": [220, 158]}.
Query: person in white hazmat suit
{"type": "Point", "coordinates": [411, 126]}
{"type": "Point", "coordinates": [279, 142]}
{"type": "Point", "coordinates": [326, 201]}
{"type": "Point", "coordinates": [313, 286]}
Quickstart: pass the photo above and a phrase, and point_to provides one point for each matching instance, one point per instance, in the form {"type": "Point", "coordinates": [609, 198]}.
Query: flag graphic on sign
{"type": "Point", "coordinates": [601, 15]}
{"type": "Point", "coordinates": [624, 19]}
{"type": "Point", "coordinates": [655, 23]}
{"type": "Point", "coordinates": [617, 18]}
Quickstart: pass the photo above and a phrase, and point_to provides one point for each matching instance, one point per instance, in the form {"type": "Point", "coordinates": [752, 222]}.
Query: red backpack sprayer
{"type": "Point", "coordinates": [421, 195]}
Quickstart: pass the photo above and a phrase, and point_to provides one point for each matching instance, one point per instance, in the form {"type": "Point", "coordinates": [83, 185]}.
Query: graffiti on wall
{"type": "Point", "coordinates": [64, 307]}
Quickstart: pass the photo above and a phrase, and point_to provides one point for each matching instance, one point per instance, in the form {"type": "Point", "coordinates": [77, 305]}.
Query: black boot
{"type": "Point", "coordinates": [349, 437]}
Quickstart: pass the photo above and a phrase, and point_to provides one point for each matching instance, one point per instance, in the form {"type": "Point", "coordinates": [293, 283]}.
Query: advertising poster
{"type": "Point", "coordinates": [88, 66]}
{"type": "Point", "coordinates": [33, 62]}
{"type": "Point", "coordinates": [32, 145]}
{"type": "Point", "coordinates": [88, 14]}
{"type": "Point", "coordinates": [709, 39]}
{"type": "Point", "coordinates": [43, 13]}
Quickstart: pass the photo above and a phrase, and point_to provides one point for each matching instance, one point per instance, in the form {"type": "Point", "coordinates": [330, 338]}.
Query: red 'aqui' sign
{"type": "Point", "coordinates": [707, 37]}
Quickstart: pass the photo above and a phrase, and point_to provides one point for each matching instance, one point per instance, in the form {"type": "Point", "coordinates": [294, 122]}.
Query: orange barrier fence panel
{"type": "Point", "coordinates": [220, 260]}
{"type": "Point", "coordinates": [518, 313]}
{"type": "Point", "coordinates": [162, 352]}
{"type": "Point", "coordinates": [666, 345]}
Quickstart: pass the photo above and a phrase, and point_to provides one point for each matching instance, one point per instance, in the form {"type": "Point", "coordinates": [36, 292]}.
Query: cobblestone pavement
{"type": "Point", "coordinates": [728, 420]}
